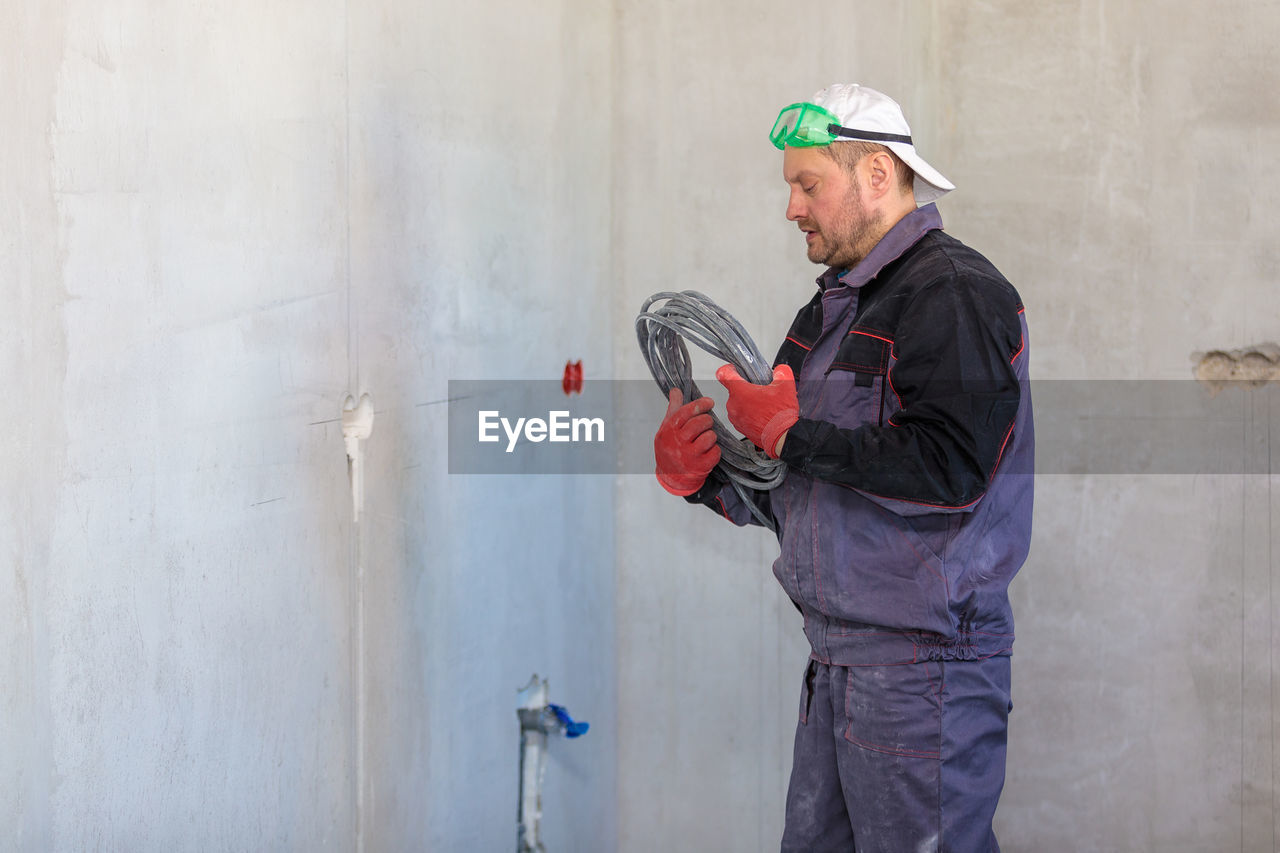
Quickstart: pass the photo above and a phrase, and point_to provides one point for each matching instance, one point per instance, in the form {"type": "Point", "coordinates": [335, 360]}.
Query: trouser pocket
{"type": "Point", "coordinates": [895, 710]}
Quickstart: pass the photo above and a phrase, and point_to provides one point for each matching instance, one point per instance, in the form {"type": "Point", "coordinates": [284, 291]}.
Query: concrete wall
{"type": "Point", "coordinates": [217, 222]}
{"type": "Point", "coordinates": [1116, 164]}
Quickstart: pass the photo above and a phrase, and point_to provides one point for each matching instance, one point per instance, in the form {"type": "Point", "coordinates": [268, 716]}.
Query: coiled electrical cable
{"type": "Point", "coordinates": [693, 317]}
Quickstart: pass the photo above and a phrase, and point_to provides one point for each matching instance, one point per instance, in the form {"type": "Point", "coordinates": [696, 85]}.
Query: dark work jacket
{"type": "Point", "coordinates": [906, 509]}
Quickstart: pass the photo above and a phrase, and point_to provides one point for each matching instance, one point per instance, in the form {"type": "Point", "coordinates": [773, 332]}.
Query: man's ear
{"type": "Point", "coordinates": [881, 173]}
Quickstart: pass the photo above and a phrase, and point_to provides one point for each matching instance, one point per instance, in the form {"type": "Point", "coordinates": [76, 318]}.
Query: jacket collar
{"type": "Point", "coordinates": [902, 236]}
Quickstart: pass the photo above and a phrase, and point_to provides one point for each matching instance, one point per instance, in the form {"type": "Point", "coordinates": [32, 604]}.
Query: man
{"type": "Point", "coordinates": [901, 407]}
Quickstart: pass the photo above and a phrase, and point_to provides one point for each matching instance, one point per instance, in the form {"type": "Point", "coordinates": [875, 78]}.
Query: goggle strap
{"type": "Point", "coordinates": [867, 135]}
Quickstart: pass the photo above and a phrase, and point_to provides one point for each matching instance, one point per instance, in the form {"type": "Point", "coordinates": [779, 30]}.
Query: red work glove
{"type": "Point", "coordinates": [761, 412]}
{"type": "Point", "coordinates": [685, 445]}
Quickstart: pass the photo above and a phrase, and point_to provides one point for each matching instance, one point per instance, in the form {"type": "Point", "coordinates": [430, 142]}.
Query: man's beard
{"type": "Point", "coordinates": [846, 242]}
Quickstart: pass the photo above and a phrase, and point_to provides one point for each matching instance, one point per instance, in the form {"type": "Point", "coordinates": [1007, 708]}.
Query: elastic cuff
{"type": "Point", "coordinates": [674, 487]}
{"type": "Point", "coordinates": [778, 424]}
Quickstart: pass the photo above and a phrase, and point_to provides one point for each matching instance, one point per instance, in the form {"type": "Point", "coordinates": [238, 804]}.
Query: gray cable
{"type": "Point", "coordinates": [691, 316]}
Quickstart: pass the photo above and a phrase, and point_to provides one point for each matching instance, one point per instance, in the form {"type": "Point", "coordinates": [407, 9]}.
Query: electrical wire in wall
{"type": "Point", "coordinates": [690, 316]}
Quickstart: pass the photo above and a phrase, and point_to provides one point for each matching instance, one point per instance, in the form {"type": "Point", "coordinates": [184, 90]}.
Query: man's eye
{"type": "Point", "coordinates": [809, 189]}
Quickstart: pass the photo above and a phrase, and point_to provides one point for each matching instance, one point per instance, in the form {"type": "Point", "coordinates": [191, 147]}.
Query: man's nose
{"type": "Point", "coordinates": [795, 206]}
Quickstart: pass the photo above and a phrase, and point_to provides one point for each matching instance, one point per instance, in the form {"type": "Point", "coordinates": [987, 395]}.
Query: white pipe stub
{"type": "Point", "coordinates": [357, 425]}
{"type": "Point", "coordinates": [538, 718]}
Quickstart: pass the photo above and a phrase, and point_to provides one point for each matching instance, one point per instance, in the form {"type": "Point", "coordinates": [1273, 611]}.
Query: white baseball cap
{"type": "Point", "coordinates": [862, 109]}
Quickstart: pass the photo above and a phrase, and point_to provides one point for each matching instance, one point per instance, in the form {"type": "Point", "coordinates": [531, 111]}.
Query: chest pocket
{"type": "Point", "coordinates": [792, 353]}
{"type": "Point", "coordinates": [865, 358]}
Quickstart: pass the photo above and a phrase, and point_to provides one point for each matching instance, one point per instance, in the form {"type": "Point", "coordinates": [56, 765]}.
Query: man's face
{"type": "Point", "coordinates": [827, 203]}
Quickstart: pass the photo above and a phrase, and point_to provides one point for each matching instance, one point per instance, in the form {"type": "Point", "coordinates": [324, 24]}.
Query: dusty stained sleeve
{"type": "Point", "coordinates": [717, 494]}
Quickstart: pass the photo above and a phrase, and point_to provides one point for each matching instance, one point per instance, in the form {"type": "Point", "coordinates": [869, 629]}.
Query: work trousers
{"type": "Point", "coordinates": [897, 759]}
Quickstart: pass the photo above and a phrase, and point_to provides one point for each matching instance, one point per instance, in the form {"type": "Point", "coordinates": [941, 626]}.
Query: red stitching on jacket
{"type": "Point", "coordinates": [1000, 455]}
{"type": "Point", "coordinates": [996, 467]}
{"type": "Point", "coordinates": [723, 509]}
{"type": "Point", "coordinates": [888, 341]}
{"type": "Point", "coordinates": [888, 375]}
{"type": "Point", "coordinates": [883, 366]}
{"type": "Point", "coordinates": [797, 343]}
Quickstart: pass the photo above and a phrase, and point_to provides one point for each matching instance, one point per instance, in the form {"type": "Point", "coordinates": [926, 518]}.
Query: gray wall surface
{"type": "Point", "coordinates": [216, 222]}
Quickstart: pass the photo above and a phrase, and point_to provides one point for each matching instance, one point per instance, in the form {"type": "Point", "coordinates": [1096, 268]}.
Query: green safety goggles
{"type": "Point", "coordinates": [806, 125]}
